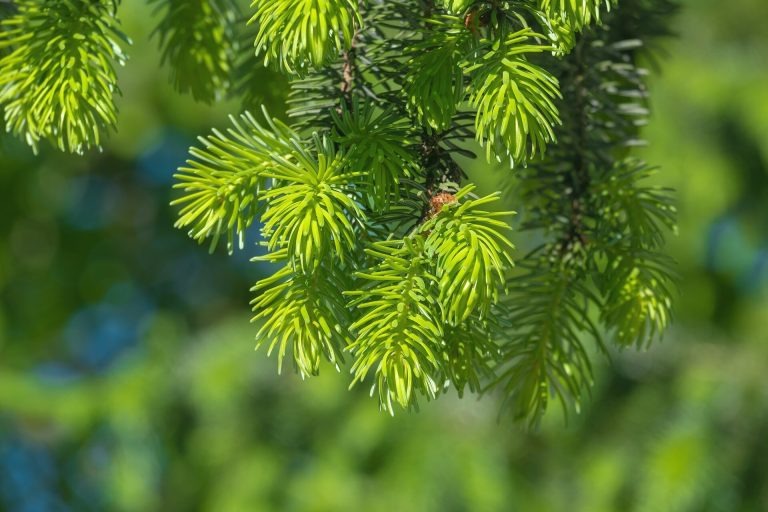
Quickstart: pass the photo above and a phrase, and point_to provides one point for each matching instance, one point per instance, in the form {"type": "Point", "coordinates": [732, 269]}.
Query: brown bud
{"type": "Point", "coordinates": [438, 201]}
{"type": "Point", "coordinates": [470, 21]}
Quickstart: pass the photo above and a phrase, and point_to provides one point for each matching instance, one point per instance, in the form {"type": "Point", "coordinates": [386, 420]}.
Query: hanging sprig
{"type": "Point", "coordinates": [304, 314]}
{"type": "Point", "coordinates": [425, 305]}
{"type": "Point", "coordinates": [473, 255]}
{"type": "Point", "coordinates": [307, 226]}
{"type": "Point", "coordinates": [298, 35]}
{"type": "Point", "coordinates": [399, 331]}
{"type": "Point", "coordinates": [544, 353]}
{"type": "Point", "coordinates": [514, 98]}
{"type": "Point", "coordinates": [631, 213]}
{"type": "Point", "coordinates": [224, 180]}
{"type": "Point", "coordinates": [310, 205]}
{"type": "Point", "coordinates": [599, 271]}
{"type": "Point", "coordinates": [638, 290]}
{"type": "Point", "coordinates": [434, 84]}
{"type": "Point", "coordinates": [636, 281]}
{"type": "Point", "coordinates": [576, 12]}
{"type": "Point", "coordinates": [199, 44]}
{"type": "Point", "coordinates": [58, 83]}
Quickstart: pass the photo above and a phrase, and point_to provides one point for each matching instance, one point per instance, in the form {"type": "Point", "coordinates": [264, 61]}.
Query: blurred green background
{"type": "Point", "coordinates": [128, 379]}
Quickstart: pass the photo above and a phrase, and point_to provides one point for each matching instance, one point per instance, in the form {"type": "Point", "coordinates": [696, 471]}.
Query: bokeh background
{"type": "Point", "coordinates": [128, 379]}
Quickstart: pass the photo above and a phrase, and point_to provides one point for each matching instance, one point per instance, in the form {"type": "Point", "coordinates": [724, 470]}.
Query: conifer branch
{"type": "Point", "coordinates": [385, 257]}
{"type": "Point", "coordinates": [544, 355]}
{"type": "Point", "coordinates": [427, 291]}
{"type": "Point", "coordinates": [603, 248]}
{"type": "Point", "coordinates": [473, 255]}
{"type": "Point", "coordinates": [223, 181]}
{"type": "Point", "coordinates": [199, 44]}
{"type": "Point", "coordinates": [298, 35]}
{"type": "Point", "coordinates": [398, 333]}
{"type": "Point", "coordinates": [304, 314]}
{"type": "Point", "coordinates": [58, 81]}
{"type": "Point", "coordinates": [309, 205]}
{"type": "Point", "coordinates": [514, 98]}
{"type": "Point", "coordinates": [577, 13]}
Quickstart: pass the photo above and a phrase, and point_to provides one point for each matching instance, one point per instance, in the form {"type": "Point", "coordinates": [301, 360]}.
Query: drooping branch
{"type": "Point", "coordinates": [377, 200]}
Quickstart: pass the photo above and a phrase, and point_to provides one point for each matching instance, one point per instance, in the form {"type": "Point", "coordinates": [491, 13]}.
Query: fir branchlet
{"type": "Point", "coordinates": [399, 331]}
{"type": "Point", "coordinates": [297, 35]}
{"type": "Point", "coordinates": [199, 44]}
{"type": "Point", "coordinates": [601, 269]}
{"type": "Point", "coordinates": [57, 80]}
{"type": "Point", "coordinates": [386, 256]}
{"type": "Point", "coordinates": [577, 13]}
{"type": "Point", "coordinates": [544, 354]}
{"type": "Point", "coordinates": [434, 84]}
{"type": "Point", "coordinates": [426, 303]}
{"type": "Point", "coordinates": [304, 314]}
{"type": "Point", "coordinates": [310, 205]}
{"type": "Point", "coordinates": [473, 254]}
{"type": "Point", "coordinates": [514, 98]}
{"type": "Point", "coordinates": [224, 180]}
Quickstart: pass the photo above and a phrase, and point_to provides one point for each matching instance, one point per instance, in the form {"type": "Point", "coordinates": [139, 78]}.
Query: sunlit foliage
{"type": "Point", "coordinates": [388, 258]}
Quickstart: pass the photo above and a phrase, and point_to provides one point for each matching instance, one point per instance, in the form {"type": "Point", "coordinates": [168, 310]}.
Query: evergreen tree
{"type": "Point", "coordinates": [390, 265]}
